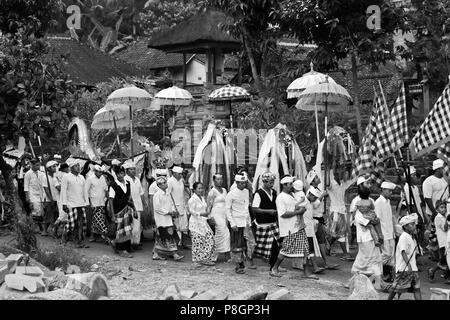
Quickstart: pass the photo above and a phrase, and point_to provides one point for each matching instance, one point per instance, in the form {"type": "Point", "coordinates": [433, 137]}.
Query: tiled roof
{"type": "Point", "coordinates": [86, 65]}
{"type": "Point", "coordinates": [387, 74]}
{"type": "Point", "coordinates": [148, 59]}
{"type": "Point", "coordinates": [202, 27]}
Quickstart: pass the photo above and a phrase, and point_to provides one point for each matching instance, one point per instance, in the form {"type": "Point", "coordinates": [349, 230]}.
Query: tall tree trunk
{"type": "Point", "coordinates": [11, 191]}
{"type": "Point", "coordinates": [251, 58]}
{"type": "Point", "coordinates": [356, 96]}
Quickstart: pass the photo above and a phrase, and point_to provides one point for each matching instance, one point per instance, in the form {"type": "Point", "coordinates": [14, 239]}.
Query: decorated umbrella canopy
{"type": "Point", "coordinates": [309, 79]}
{"type": "Point", "coordinates": [135, 98]}
{"type": "Point", "coordinates": [229, 93]}
{"type": "Point", "coordinates": [172, 96]}
{"type": "Point", "coordinates": [106, 119]}
{"type": "Point", "coordinates": [320, 97]}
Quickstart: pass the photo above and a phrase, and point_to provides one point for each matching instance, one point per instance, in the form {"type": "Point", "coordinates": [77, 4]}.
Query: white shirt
{"type": "Point", "coordinates": [383, 211]}
{"type": "Point", "coordinates": [162, 205]}
{"type": "Point", "coordinates": [416, 196]}
{"type": "Point", "coordinates": [362, 232]}
{"type": "Point", "coordinates": [434, 188]}
{"type": "Point", "coordinates": [336, 193]}
{"type": "Point", "coordinates": [355, 201]}
{"type": "Point", "coordinates": [257, 198]}
{"type": "Point", "coordinates": [408, 244]}
{"type": "Point", "coordinates": [34, 183]}
{"type": "Point", "coordinates": [95, 190]}
{"type": "Point", "coordinates": [54, 182]}
{"type": "Point", "coordinates": [176, 189]}
{"type": "Point", "coordinates": [153, 189]}
{"type": "Point", "coordinates": [236, 204]}
{"type": "Point", "coordinates": [123, 185]}
{"type": "Point", "coordinates": [308, 219]}
{"type": "Point", "coordinates": [136, 192]}
{"type": "Point", "coordinates": [197, 207]}
{"type": "Point", "coordinates": [318, 207]}
{"type": "Point", "coordinates": [72, 191]}
{"type": "Point", "coordinates": [441, 234]}
{"type": "Point", "coordinates": [286, 202]}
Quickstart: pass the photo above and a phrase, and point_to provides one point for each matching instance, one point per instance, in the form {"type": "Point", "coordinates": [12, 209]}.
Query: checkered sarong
{"type": "Point", "coordinates": [73, 221]}
{"type": "Point", "coordinates": [124, 223]}
{"type": "Point", "coordinates": [264, 239]}
{"type": "Point", "coordinates": [295, 245]}
{"type": "Point", "coordinates": [435, 130]}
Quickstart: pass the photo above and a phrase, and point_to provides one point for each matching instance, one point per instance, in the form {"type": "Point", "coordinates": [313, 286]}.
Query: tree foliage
{"type": "Point", "coordinates": [339, 28]}
{"type": "Point", "coordinates": [255, 23]}
{"type": "Point", "coordinates": [430, 26]}
{"type": "Point", "coordinates": [163, 14]}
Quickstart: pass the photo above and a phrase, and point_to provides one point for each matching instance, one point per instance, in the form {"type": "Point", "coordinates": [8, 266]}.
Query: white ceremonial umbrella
{"type": "Point", "coordinates": [322, 96]}
{"type": "Point", "coordinates": [172, 96]}
{"type": "Point", "coordinates": [309, 79]}
{"type": "Point", "coordinates": [135, 98]}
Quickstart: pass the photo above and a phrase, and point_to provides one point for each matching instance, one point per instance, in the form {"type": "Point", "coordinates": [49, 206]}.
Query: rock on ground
{"type": "Point", "coordinates": [92, 285]}
{"type": "Point", "coordinates": [60, 294]}
{"type": "Point", "coordinates": [362, 288]}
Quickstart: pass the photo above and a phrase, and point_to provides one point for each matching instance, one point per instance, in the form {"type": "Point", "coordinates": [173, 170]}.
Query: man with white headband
{"type": "Point", "coordinates": [364, 184]}
{"type": "Point", "coordinates": [51, 205]}
{"type": "Point", "coordinates": [292, 228]}
{"type": "Point", "coordinates": [266, 220]}
{"type": "Point", "coordinates": [313, 180]}
{"type": "Point", "coordinates": [383, 210]}
{"type": "Point", "coordinates": [435, 188]}
{"type": "Point", "coordinates": [74, 204]}
{"type": "Point", "coordinates": [176, 189]}
{"type": "Point", "coordinates": [237, 209]}
{"type": "Point", "coordinates": [36, 190]}
{"type": "Point", "coordinates": [96, 192]}
{"type": "Point", "coordinates": [406, 272]}
{"type": "Point", "coordinates": [137, 193]}
{"type": "Point", "coordinates": [415, 202]}
{"type": "Point", "coordinates": [166, 241]}
{"type": "Point", "coordinates": [153, 188]}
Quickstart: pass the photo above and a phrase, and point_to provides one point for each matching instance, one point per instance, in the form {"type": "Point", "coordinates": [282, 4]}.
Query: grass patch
{"type": "Point", "coordinates": [61, 257]}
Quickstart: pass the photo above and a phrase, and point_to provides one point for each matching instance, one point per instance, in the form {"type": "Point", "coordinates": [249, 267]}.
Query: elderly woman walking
{"type": "Point", "coordinates": [201, 233]}
{"type": "Point", "coordinates": [216, 206]}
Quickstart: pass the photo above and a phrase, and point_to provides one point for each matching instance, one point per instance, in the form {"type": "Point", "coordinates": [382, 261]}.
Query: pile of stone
{"type": "Point", "coordinates": [172, 292]}
{"type": "Point", "coordinates": [21, 281]}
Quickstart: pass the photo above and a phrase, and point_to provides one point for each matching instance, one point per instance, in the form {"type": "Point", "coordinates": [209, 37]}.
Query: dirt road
{"type": "Point", "coordinates": [143, 278]}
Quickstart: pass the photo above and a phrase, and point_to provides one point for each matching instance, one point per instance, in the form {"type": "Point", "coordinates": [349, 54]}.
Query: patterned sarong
{"type": "Point", "coordinates": [264, 239]}
{"type": "Point", "coordinates": [202, 246]}
{"type": "Point", "coordinates": [73, 219]}
{"type": "Point", "coordinates": [124, 223]}
{"type": "Point", "coordinates": [295, 245]}
{"type": "Point", "coordinates": [166, 240]}
{"type": "Point", "coordinates": [406, 281]}
{"type": "Point", "coordinates": [99, 221]}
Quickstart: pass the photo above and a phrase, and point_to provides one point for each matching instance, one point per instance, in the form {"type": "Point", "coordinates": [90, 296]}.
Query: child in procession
{"type": "Point", "coordinates": [406, 273]}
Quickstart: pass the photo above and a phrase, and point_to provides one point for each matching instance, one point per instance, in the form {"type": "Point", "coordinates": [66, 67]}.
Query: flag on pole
{"type": "Point", "coordinates": [444, 152]}
{"type": "Point", "coordinates": [363, 162]}
{"type": "Point", "coordinates": [397, 130]}
{"type": "Point", "coordinates": [383, 147]}
{"type": "Point", "coordinates": [435, 130]}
